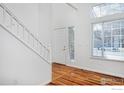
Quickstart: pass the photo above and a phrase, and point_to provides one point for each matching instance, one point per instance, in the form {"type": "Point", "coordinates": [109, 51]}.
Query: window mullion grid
{"type": "Point", "coordinates": [100, 11]}
{"type": "Point", "coordinates": [102, 39]}
{"type": "Point", "coordinates": [111, 35]}
{"type": "Point", "coordinates": [120, 37]}
{"type": "Point", "coordinates": [92, 40]}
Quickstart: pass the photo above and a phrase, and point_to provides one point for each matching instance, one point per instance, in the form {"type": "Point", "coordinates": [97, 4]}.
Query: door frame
{"type": "Point", "coordinates": [66, 47]}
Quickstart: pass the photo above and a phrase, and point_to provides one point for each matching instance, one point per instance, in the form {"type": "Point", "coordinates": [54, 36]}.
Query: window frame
{"type": "Point", "coordinates": [99, 4]}
{"type": "Point", "coordinates": [95, 20]}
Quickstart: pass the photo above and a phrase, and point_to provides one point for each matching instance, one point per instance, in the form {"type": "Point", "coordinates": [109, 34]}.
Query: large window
{"type": "Point", "coordinates": [107, 9]}
{"type": "Point", "coordinates": [108, 36]}
{"type": "Point", "coordinates": [108, 39]}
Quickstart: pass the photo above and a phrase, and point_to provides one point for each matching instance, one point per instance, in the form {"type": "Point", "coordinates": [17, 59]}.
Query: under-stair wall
{"type": "Point", "coordinates": [24, 59]}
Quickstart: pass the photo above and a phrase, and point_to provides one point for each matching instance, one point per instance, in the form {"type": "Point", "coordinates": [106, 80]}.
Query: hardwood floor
{"type": "Point", "coordinates": [66, 75]}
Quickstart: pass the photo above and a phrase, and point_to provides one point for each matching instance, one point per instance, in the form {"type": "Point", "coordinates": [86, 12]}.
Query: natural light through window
{"type": "Point", "coordinates": [108, 36]}
{"type": "Point", "coordinates": [107, 9]}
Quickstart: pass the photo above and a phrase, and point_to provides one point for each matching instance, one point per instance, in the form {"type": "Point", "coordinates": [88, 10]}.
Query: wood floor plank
{"type": "Point", "coordinates": [66, 75]}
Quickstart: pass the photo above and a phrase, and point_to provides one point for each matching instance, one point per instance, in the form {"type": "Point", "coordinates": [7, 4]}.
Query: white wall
{"type": "Point", "coordinates": [28, 14]}
{"type": "Point", "coordinates": [18, 64]}
{"type": "Point", "coordinates": [83, 46]}
{"type": "Point", "coordinates": [45, 20]}
{"type": "Point", "coordinates": [63, 17]}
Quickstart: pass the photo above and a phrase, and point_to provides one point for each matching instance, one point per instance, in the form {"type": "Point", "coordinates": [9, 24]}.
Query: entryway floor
{"type": "Point", "coordinates": [66, 75]}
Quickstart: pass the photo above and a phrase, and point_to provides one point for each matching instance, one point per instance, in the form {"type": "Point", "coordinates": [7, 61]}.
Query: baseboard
{"type": "Point", "coordinates": [93, 70]}
{"type": "Point", "coordinates": [106, 73]}
{"type": "Point", "coordinates": [46, 82]}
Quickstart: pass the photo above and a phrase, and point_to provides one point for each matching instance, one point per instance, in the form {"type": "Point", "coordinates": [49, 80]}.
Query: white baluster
{"type": "Point", "coordinates": [7, 20]}
{"type": "Point", "coordinates": [35, 44]}
{"type": "Point", "coordinates": [19, 31]}
{"type": "Point", "coordinates": [1, 15]}
{"type": "Point", "coordinates": [25, 36]}
{"type": "Point", "coordinates": [14, 26]}
{"type": "Point", "coordinates": [44, 52]}
{"type": "Point", "coordinates": [41, 50]}
{"type": "Point", "coordinates": [28, 37]}
{"type": "Point", "coordinates": [23, 33]}
{"type": "Point", "coordinates": [17, 26]}
{"type": "Point", "coordinates": [11, 23]}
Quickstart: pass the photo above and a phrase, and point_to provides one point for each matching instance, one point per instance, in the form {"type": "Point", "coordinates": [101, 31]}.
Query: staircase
{"type": "Point", "coordinates": [10, 23]}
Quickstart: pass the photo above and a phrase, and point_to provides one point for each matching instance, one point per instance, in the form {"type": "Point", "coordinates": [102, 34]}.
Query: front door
{"type": "Point", "coordinates": [60, 45]}
{"type": "Point", "coordinates": [64, 45]}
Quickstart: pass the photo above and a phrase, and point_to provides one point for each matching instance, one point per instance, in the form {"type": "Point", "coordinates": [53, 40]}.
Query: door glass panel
{"type": "Point", "coordinates": [71, 42]}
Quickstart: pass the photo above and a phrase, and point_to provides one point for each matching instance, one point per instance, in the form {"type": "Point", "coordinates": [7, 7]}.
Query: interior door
{"type": "Point", "coordinates": [61, 46]}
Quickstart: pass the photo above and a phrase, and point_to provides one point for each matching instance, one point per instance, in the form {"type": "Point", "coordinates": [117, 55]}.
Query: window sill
{"type": "Point", "coordinates": [106, 59]}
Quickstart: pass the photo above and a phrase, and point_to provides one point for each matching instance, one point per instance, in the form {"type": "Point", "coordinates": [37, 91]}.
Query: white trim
{"type": "Point", "coordinates": [105, 59]}
{"type": "Point", "coordinates": [103, 72]}
{"type": "Point", "coordinates": [97, 71]}
{"type": "Point", "coordinates": [108, 18]}
{"type": "Point", "coordinates": [72, 6]}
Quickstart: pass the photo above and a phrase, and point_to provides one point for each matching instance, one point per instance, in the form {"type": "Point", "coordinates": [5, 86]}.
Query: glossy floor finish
{"type": "Point", "coordinates": [66, 75]}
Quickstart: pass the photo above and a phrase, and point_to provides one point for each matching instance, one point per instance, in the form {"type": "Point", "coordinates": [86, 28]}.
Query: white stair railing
{"type": "Point", "coordinates": [12, 25]}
